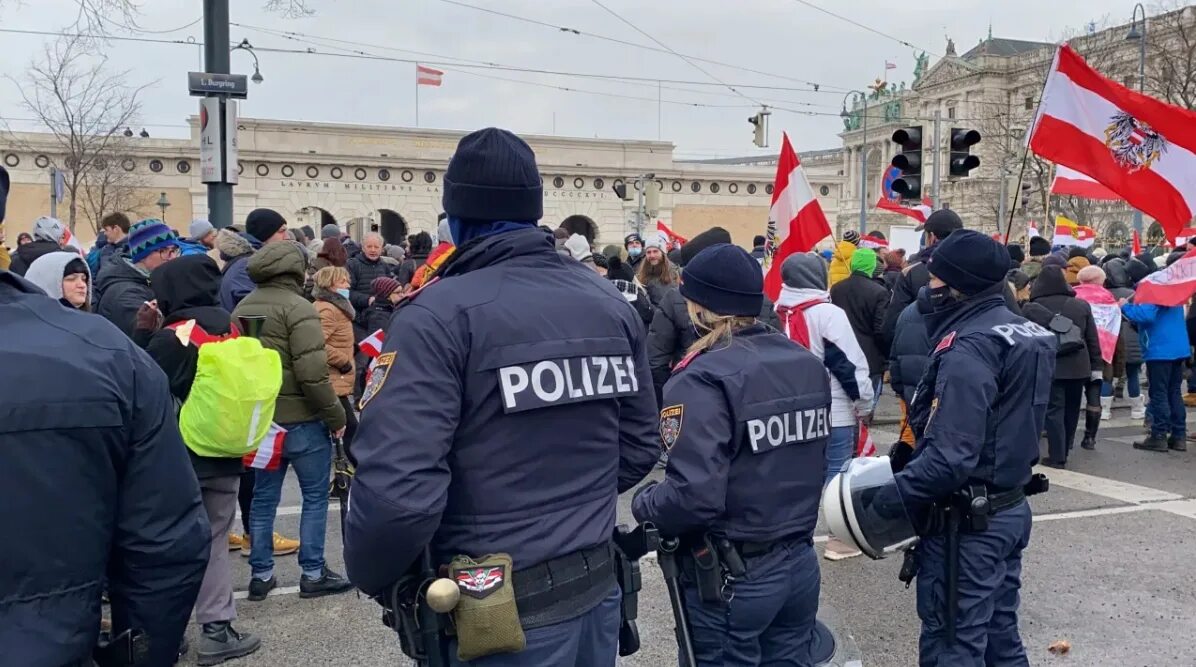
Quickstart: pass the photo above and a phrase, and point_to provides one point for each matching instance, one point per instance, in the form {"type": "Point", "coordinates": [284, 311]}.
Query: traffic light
{"type": "Point", "coordinates": [760, 123]}
{"type": "Point", "coordinates": [909, 161]}
{"type": "Point", "coordinates": [651, 197]}
{"type": "Point", "coordinates": [621, 191]}
{"type": "Point", "coordinates": [962, 161]}
{"type": "Point", "coordinates": [1025, 201]}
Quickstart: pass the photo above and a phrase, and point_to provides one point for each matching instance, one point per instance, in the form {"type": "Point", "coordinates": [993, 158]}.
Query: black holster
{"type": "Point", "coordinates": [406, 611]}
{"type": "Point", "coordinates": [630, 546]}
{"type": "Point", "coordinates": [128, 649]}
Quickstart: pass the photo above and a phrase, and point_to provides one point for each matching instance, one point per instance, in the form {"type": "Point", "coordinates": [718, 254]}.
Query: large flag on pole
{"type": "Point", "coordinates": [426, 76]}
{"type": "Point", "coordinates": [673, 239]}
{"type": "Point", "coordinates": [1071, 182]}
{"type": "Point", "coordinates": [796, 222]}
{"type": "Point", "coordinates": [1140, 148]}
{"type": "Point", "coordinates": [1172, 286]}
{"type": "Point", "coordinates": [1070, 233]}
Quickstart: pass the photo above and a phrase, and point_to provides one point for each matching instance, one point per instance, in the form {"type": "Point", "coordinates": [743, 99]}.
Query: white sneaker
{"type": "Point", "coordinates": [837, 549]}
{"type": "Point", "coordinates": [1138, 407]}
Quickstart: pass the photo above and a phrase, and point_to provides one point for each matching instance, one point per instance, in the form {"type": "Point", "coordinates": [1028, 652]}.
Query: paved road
{"type": "Point", "coordinates": [1108, 569]}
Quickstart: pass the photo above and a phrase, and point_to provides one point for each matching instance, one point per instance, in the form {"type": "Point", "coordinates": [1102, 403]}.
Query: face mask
{"type": "Point", "coordinates": [936, 299]}
{"type": "Point", "coordinates": [344, 291]}
{"type": "Point", "coordinates": [634, 252]}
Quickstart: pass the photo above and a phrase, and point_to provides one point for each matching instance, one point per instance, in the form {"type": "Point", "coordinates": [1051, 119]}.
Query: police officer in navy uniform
{"type": "Point", "coordinates": [510, 406]}
{"type": "Point", "coordinates": [977, 415]}
{"type": "Point", "coordinates": [745, 420]}
{"type": "Point", "coordinates": [97, 487]}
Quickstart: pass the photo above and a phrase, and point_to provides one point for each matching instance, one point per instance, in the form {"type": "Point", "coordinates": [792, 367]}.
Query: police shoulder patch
{"type": "Point", "coordinates": [480, 582]}
{"type": "Point", "coordinates": [945, 344]}
{"type": "Point", "coordinates": [376, 378]}
{"type": "Point", "coordinates": [670, 425]}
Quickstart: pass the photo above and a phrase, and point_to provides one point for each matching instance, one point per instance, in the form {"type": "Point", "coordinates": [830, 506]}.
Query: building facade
{"type": "Point", "coordinates": [390, 179]}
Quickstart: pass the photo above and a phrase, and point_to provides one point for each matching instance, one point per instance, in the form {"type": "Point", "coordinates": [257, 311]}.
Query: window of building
{"type": "Point", "coordinates": [1030, 103]}
{"type": "Point", "coordinates": [951, 113]}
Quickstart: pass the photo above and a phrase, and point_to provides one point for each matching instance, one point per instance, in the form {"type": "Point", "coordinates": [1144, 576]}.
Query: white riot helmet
{"type": "Point", "coordinates": [863, 507]}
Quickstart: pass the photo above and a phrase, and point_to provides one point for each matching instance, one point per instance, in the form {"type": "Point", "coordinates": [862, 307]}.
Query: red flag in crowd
{"type": "Point", "coordinates": [371, 346]}
{"type": "Point", "coordinates": [1140, 148]}
{"type": "Point", "coordinates": [864, 446]}
{"type": "Point", "coordinates": [796, 221]}
{"type": "Point", "coordinates": [1137, 243]}
{"type": "Point", "coordinates": [426, 76]}
{"type": "Point", "coordinates": [268, 454]}
{"type": "Point", "coordinates": [675, 240]}
{"type": "Point", "coordinates": [1071, 182]}
{"type": "Point", "coordinates": [1172, 286]}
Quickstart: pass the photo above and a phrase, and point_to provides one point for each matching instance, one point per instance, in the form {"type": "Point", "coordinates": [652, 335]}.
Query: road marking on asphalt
{"type": "Point", "coordinates": [1109, 488]}
{"type": "Point", "coordinates": [284, 590]}
{"type": "Point", "coordinates": [293, 510]}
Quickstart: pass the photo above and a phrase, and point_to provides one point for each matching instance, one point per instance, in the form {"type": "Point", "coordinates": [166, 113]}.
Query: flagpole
{"type": "Point", "coordinates": [417, 94]}
{"type": "Point", "coordinates": [1017, 188]}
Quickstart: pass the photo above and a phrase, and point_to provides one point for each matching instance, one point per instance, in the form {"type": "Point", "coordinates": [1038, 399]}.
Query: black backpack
{"type": "Point", "coordinates": [1067, 335]}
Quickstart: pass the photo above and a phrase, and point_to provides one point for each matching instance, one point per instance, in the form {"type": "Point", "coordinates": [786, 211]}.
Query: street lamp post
{"type": "Point", "coordinates": [863, 156]}
{"type": "Point", "coordinates": [257, 70]}
{"type": "Point", "coordinates": [1140, 37]}
{"type": "Point", "coordinates": [163, 204]}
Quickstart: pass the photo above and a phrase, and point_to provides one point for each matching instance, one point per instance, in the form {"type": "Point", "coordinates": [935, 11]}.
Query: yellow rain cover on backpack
{"type": "Point", "coordinates": [231, 404]}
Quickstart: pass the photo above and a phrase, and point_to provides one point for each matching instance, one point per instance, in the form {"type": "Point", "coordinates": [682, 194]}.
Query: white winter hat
{"type": "Point", "coordinates": [578, 247]}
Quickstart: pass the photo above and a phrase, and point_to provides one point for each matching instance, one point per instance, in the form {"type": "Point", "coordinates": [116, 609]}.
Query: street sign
{"type": "Point", "coordinates": [210, 141]}
{"type": "Point", "coordinates": [201, 84]}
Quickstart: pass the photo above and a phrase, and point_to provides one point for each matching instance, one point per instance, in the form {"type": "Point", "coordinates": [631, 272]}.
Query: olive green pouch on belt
{"type": "Point", "coordinates": [486, 617]}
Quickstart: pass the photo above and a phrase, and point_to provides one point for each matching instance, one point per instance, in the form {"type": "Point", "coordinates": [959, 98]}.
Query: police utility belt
{"type": "Point", "coordinates": [715, 563]}
{"type": "Point", "coordinates": [493, 603]}
{"type": "Point", "coordinates": [977, 501]}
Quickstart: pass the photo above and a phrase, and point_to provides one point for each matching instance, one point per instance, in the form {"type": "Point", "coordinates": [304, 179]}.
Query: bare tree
{"type": "Point", "coordinates": [1171, 54]}
{"type": "Point", "coordinates": [83, 105]}
{"type": "Point", "coordinates": [112, 185]}
{"type": "Point", "coordinates": [291, 9]}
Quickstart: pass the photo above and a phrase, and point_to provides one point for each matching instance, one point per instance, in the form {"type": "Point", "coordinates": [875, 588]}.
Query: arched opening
{"type": "Point", "coordinates": [325, 217]}
{"type": "Point", "coordinates": [581, 224]}
{"type": "Point", "coordinates": [1116, 233]}
{"type": "Point", "coordinates": [1154, 234]}
{"type": "Point", "coordinates": [392, 226]}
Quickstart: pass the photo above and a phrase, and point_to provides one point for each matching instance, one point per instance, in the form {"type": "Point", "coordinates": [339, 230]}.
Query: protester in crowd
{"type": "Point", "coordinates": [865, 302]}
{"type": "Point", "coordinates": [201, 238]}
{"type": "Point", "coordinates": [362, 271]}
{"type": "Point", "coordinates": [336, 319]}
{"type": "Point", "coordinates": [1127, 359]}
{"type": "Point", "coordinates": [387, 292]}
{"type": "Point", "coordinates": [124, 283]}
{"type": "Point", "coordinates": [331, 253]}
{"type": "Point", "coordinates": [440, 254]}
{"type": "Point", "coordinates": [613, 250]}
{"type": "Point", "coordinates": [1104, 307]}
{"type": "Point", "coordinates": [262, 226]}
{"type": "Point", "coordinates": [894, 264]}
{"type": "Point", "coordinates": [1165, 349]}
{"type": "Point", "coordinates": [307, 408]}
{"type": "Point", "coordinates": [671, 332]}
{"type": "Point", "coordinates": [23, 238]}
{"type": "Point", "coordinates": [1074, 368]}
{"type": "Point", "coordinates": [48, 236]}
{"type": "Point", "coordinates": [578, 248]}
{"type": "Point", "coordinates": [759, 242]}
{"type": "Point", "coordinates": [309, 234]}
{"type": "Point", "coordinates": [64, 276]}
{"type": "Point", "coordinates": [809, 318]}
{"type": "Point", "coordinates": [634, 243]}
{"type": "Point", "coordinates": [1017, 256]}
{"type": "Point", "coordinates": [188, 289]}
{"type": "Point", "coordinates": [1075, 263]}
{"type": "Point", "coordinates": [93, 257]}
{"type": "Point", "coordinates": [330, 231]}
{"type": "Point", "coordinates": [656, 274]}
{"type": "Point", "coordinates": [421, 247]}
{"type": "Point", "coordinates": [914, 277]}
{"type": "Point", "coordinates": [841, 256]}
{"type": "Point", "coordinates": [114, 227]}
{"type": "Point", "coordinates": [1020, 283]}
{"type": "Point", "coordinates": [619, 273]}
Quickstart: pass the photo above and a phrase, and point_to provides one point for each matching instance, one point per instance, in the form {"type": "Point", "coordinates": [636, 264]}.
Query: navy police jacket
{"type": "Point", "coordinates": [96, 485]}
{"type": "Point", "coordinates": [746, 426]}
{"type": "Point", "coordinates": [511, 405]}
{"type": "Point", "coordinates": [980, 406]}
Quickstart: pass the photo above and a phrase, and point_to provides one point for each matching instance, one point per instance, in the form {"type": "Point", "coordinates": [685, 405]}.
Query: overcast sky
{"type": "Point", "coordinates": [781, 37]}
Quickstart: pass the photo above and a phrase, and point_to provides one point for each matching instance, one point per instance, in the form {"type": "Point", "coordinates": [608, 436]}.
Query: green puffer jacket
{"type": "Point", "coordinates": [292, 329]}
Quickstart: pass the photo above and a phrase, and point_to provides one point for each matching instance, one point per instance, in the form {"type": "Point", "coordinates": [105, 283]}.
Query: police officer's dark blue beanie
{"type": "Point", "coordinates": [493, 176]}
{"type": "Point", "coordinates": [969, 261]}
{"type": "Point", "coordinates": [725, 280]}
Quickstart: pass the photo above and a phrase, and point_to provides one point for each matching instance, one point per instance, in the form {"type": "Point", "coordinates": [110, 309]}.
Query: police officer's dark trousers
{"type": "Point", "coordinates": [590, 640]}
{"type": "Point", "coordinates": [990, 570]}
{"type": "Point", "coordinates": [769, 620]}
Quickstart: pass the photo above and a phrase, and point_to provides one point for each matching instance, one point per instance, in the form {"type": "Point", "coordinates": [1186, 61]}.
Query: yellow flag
{"type": "Point", "coordinates": [1061, 221]}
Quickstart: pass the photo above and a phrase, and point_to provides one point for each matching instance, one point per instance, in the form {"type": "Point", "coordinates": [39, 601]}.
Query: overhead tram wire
{"type": "Point", "coordinates": [806, 3]}
{"type": "Point", "coordinates": [582, 33]}
{"type": "Point", "coordinates": [661, 44]}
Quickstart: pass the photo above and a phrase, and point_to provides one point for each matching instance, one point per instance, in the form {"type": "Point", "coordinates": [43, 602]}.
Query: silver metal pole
{"type": "Point", "coordinates": [864, 172]}
{"type": "Point", "coordinates": [935, 160]}
{"type": "Point", "coordinates": [639, 208]}
{"type": "Point", "coordinates": [1004, 199]}
{"type": "Point", "coordinates": [1141, 88]}
{"type": "Point", "coordinates": [216, 59]}
{"type": "Point", "coordinates": [53, 197]}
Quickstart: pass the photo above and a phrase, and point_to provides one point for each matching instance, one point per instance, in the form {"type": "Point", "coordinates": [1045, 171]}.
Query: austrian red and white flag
{"type": "Point", "coordinates": [1184, 236]}
{"type": "Point", "coordinates": [674, 240]}
{"type": "Point", "coordinates": [920, 212]}
{"type": "Point", "coordinates": [873, 242]}
{"type": "Point", "coordinates": [268, 455]}
{"type": "Point", "coordinates": [864, 446]}
{"type": "Point", "coordinates": [1107, 314]}
{"type": "Point", "coordinates": [1068, 181]}
{"type": "Point", "coordinates": [371, 345]}
{"type": "Point", "coordinates": [426, 76]}
{"type": "Point", "coordinates": [1140, 148]}
{"type": "Point", "coordinates": [796, 222]}
{"type": "Point", "coordinates": [1172, 286]}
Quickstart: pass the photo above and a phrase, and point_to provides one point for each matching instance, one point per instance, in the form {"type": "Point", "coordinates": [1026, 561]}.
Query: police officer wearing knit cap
{"type": "Point", "coordinates": [746, 422]}
{"type": "Point", "coordinates": [977, 416]}
{"type": "Point", "coordinates": [510, 406]}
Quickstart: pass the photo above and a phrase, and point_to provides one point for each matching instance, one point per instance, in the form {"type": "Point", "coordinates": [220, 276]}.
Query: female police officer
{"type": "Point", "coordinates": [746, 424]}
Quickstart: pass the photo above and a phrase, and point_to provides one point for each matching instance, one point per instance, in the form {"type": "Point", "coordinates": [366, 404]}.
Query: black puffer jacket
{"type": "Point", "coordinates": [122, 288]}
{"type": "Point", "coordinates": [1050, 296]}
{"type": "Point", "coordinates": [1118, 282]}
{"type": "Point", "coordinates": [671, 333]}
{"type": "Point", "coordinates": [188, 288]}
{"type": "Point", "coordinates": [865, 301]}
{"type": "Point", "coordinates": [362, 272]}
{"type": "Point", "coordinates": [26, 254]}
{"type": "Point", "coordinates": [909, 354]}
